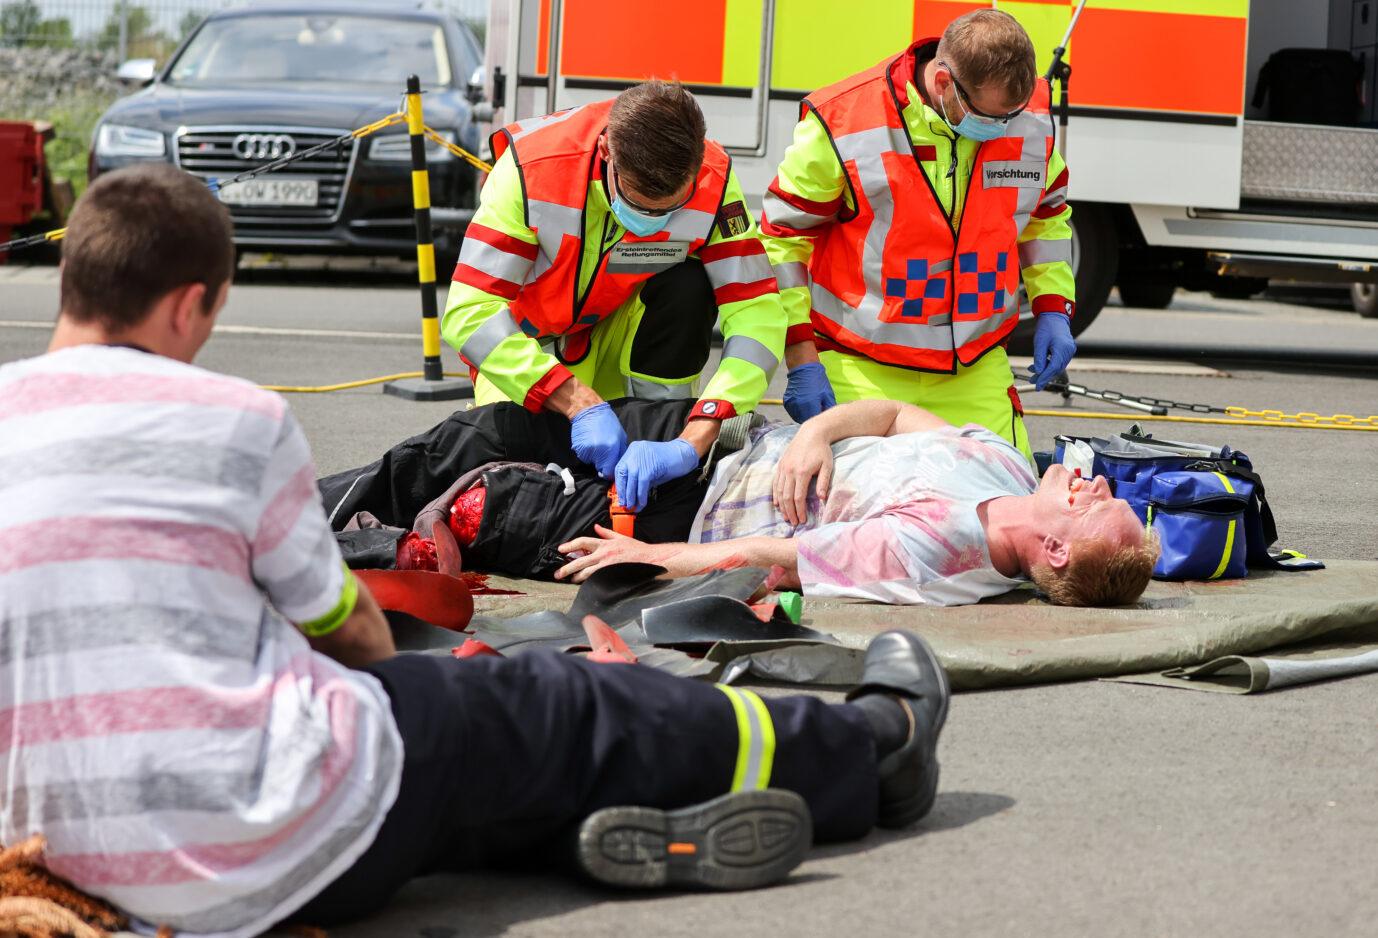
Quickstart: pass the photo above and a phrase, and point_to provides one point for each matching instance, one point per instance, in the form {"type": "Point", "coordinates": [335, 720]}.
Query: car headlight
{"type": "Point", "coordinates": [120, 140]}
{"type": "Point", "coordinates": [397, 147]}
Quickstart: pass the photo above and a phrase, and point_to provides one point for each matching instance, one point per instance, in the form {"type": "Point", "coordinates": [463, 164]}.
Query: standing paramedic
{"type": "Point", "coordinates": [911, 199]}
{"type": "Point", "coordinates": [203, 712]}
{"type": "Point", "coordinates": [607, 241]}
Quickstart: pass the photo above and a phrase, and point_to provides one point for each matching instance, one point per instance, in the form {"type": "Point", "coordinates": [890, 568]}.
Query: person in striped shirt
{"type": "Point", "coordinates": [201, 709]}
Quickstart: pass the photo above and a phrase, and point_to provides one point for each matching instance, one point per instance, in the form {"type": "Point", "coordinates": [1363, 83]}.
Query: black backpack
{"type": "Point", "coordinates": [1311, 86]}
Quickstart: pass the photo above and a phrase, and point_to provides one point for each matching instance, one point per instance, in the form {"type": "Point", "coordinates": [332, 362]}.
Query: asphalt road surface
{"type": "Point", "coordinates": [1087, 808]}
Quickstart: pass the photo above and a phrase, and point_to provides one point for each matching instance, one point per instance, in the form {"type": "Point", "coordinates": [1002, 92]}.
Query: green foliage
{"type": "Point", "coordinates": [188, 22]}
{"type": "Point", "coordinates": [18, 21]}
{"type": "Point", "coordinates": [22, 24]}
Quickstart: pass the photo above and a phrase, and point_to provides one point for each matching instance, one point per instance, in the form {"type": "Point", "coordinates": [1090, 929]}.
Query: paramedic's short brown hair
{"type": "Point", "coordinates": [1099, 573]}
{"type": "Point", "coordinates": [989, 48]}
{"type": "Point", "coordinates": [137, 234]}
{"type": "Point", "coordinates": [655, 132]}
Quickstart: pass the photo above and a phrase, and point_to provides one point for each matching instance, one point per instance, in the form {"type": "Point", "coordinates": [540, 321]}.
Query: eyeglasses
{"type": "Point", "coordinates": [979, 115]}
{"type": "Point", "coordinates": [649, 212]}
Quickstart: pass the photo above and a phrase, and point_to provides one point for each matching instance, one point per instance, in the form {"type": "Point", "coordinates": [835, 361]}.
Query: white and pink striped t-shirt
{"type": "Point", "coordinates": [900, 522]}
{"type": "Point", "coordinates": [184, 752]}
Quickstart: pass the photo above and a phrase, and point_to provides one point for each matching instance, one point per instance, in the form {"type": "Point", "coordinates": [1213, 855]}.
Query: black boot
{"type": "Point", "coordinates": [902, 666]}
{"type": "Point", "coordinates": [741, 840]}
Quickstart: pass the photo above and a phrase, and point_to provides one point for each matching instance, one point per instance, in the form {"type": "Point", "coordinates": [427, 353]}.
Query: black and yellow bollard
{"type": "Point", "coordinates": [434, 386]}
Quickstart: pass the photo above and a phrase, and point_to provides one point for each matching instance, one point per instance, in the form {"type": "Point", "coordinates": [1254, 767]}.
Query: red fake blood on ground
{"type": "Point", "coordinates": [478, 585]}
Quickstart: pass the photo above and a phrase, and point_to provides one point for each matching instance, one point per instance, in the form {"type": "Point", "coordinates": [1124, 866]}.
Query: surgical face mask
{"type": "Point", "coordinates": [642, 226]}
{"type": "Point", "coordinates": [971, 128]}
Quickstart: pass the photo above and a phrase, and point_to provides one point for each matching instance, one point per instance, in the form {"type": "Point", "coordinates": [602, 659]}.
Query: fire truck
{"type": "Point", "coordinates": [1180, 176]}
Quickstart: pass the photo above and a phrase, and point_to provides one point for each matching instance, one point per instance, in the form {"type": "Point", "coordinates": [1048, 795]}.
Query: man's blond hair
{"type": "Point", "coordinates": [988, 48]}
{"type": "Point", "coordinates": [1098, 573]}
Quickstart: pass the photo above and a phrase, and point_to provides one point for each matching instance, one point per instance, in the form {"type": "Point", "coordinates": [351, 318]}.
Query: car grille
{"type": "Point", "coordinates": [210, 152]}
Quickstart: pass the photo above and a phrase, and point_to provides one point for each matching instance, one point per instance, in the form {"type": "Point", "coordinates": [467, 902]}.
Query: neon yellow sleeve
{"type": "Point", "coordinates": [753, 323]}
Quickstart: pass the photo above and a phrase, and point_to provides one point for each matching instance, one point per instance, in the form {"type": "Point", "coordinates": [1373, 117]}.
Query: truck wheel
{"type": "Point", "coordinates": [1146, 292]}
{"type": "Point", "coordinates": [1095, 262]}
{"type": "Point", "coordinates": [1365, 299]}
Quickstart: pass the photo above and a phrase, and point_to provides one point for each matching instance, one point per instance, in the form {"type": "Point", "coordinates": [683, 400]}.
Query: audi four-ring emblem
{"type": "Point", "coordinates": [264, 146]}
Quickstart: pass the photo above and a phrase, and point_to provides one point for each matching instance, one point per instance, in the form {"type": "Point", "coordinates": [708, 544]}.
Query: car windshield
{"type": "Point", "coordinates": [279, 50]}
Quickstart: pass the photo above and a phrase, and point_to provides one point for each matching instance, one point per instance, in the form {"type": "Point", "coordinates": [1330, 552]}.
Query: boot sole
{"type": "Point", "coordinates": [741, 840]}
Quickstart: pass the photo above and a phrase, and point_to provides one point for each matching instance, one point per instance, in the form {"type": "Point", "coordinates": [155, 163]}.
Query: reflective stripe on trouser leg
{"type": "Point", "coordinates": [755, 740]}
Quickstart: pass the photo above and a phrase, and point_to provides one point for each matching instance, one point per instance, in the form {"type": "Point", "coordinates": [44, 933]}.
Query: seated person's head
{"type": "Point", "coordinates": [1095, 551]}
{"type": "Point", "coordinates": [137, 235]}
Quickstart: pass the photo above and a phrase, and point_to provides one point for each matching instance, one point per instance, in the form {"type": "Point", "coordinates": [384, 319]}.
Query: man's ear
{"type": "Point", "coordinates": [603, 147]}
{"type": "Point", "coordinates": [1056, 551]}
{"type": "Point", "coordinates": [187, 308]}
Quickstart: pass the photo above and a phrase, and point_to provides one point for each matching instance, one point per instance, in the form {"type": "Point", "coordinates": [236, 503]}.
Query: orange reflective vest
{"type": "Point", "coordinates": [557, 156]}
{"type": "Point", "coordinates": [894, 280]}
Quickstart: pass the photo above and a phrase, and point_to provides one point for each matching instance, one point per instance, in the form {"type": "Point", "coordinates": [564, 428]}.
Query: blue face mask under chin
{"type": "Point", "coordinates": [643, 226]}
{"type": "Point", "coordinates": [973, 129]}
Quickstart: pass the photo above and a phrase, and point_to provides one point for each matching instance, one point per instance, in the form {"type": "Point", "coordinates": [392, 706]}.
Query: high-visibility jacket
{"type": "Point", "coordinates": [896, 260]}
{"type": "Point", "coordinates": [544, 257]}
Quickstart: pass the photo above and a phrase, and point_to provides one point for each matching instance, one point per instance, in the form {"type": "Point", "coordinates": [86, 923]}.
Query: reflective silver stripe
{"type": "Point", "coordinates": [964, 331]}
{"type": "Point", "coordinates": [755, 740]}
{"type": "Point", "coordinates": [865, 148]}
{"type": "Point", "coordinates": [865, 322]}
{"type": "Point", "coordinates": [751, 350]}
{"type": "Point", "coordinates": [779, 212]}
{"type": "Point", "coordinates": [1038, 251]}
{"type": "Point", "coordinates": [791, 274]}
{"type": "Point", "coordinates": [531, 124]}
{"type": "Point", "coordinates": [649, 389]}
{"type": "Point", "coordinates": [552, 222]}
{"type": "Point", "coordinates": [689, 224]}
{"type": "Point", "coordinates": [494, 261]}
{"type": "Point", "coordinates": [1055, 198]}
{"type": "Point", "coordinates": [741, 268]}
{"type": "Point", "coordinates": [1035, 128]}
{"type": "Point", "coordinates": [489, 336]}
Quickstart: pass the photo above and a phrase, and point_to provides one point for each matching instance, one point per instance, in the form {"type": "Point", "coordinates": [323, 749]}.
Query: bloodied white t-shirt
{"type": "Point", "coordinates": [899, 524]}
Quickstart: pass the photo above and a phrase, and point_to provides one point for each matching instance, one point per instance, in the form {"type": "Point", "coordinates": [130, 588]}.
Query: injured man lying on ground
{"type": "Point", "coordinates": [874, 500]}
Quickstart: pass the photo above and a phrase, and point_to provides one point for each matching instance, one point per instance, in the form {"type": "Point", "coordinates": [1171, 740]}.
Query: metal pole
{"type": "Point", "coordinates": [433, 387]}
{"type": "Point", "coordinates": [1060, 70]}
{"type": "Point", "coordinates": [124, 30]}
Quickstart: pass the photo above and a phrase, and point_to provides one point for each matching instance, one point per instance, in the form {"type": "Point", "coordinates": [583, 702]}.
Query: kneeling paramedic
{"type": "Point", "coordinates": [608, 240]}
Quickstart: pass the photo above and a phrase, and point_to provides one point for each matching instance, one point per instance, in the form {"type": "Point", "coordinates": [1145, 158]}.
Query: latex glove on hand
{"type": "Point", "coordinates": [646, 465]}
{"type": "Point", "coordinates": [808, 392]}
{"type": "Point", "coordinates": [1053, 347]}
{"type": "Point", "coordinates": [597, 438]}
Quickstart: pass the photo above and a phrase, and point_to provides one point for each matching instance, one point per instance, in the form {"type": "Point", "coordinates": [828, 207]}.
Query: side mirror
{"type": "Point", "coordinates": [474, 90]}
{"type": "Point", "coordinates": [138, 71]}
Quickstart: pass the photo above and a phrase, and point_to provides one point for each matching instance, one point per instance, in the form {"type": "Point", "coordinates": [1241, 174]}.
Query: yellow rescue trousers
{"type": "Point", "coordinates": [977, 394]}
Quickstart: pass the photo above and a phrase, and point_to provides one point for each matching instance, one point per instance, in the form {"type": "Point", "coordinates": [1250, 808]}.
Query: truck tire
{"type": "Point", "coordinates": [1365, 299]}
{"type": "Point", "coordinates": [1095, 262]}
{"type": "Point", "coordinates": [1145, 291]}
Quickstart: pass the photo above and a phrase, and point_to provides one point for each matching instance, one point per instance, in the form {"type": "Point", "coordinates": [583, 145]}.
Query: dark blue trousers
{"type": "Point", "coordinates": [505, 756]}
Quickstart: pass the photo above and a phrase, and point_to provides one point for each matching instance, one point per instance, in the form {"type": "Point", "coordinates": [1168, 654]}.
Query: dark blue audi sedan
{"type": "Point", "coordinates": [252, 84]}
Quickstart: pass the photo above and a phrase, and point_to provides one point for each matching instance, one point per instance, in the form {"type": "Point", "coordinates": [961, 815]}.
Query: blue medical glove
{"type": "Point", "coordinates": [646, 465]}
{"type": "Point", "coordinates": [597, 438]}
{"type": "Point", "coordinates": [1053, 347]}
{"type": "Point", "coordinates": [808, 393]}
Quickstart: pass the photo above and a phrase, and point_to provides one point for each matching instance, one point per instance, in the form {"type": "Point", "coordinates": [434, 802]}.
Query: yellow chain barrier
{"type": "Point", "coordinates": [458, 151]}
{"type": "Point", "coordinates": [1274, 418]}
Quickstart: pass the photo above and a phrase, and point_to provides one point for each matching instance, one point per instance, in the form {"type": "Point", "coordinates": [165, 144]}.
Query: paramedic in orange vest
{"type": "Point", "coordinates": [912, 198]}
{"type": "Point", "coordinates": [608, 240]}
